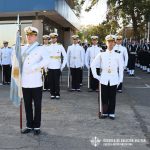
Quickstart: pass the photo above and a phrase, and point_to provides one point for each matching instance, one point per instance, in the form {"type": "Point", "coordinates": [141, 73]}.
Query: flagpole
{"type": "Point", "coordinates": [88, 78]}
{"type": "Point", "coordinates": [18, 23]}
{"type": "Point", "coordinates": [99, 102]}
{"type": "Point", "coordinates": [2, 76]}
{"type": "Point", "coordinates": [21, 115]}
{"type": "Point", "coordinates": [68, 78]}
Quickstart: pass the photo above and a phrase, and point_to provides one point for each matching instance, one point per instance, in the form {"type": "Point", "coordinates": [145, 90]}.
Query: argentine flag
{"type": "Point", "coordinates": [16, 87]}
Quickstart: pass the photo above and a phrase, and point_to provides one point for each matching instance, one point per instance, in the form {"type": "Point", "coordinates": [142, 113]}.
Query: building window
{"type": "Point", "coordinates": [8, 30]}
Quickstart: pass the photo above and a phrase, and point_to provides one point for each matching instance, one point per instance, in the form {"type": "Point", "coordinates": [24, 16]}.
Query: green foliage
{"type": "Point", "coordinates": [129, 12]}
{"type": "Point", "coordinates": [100, 30]}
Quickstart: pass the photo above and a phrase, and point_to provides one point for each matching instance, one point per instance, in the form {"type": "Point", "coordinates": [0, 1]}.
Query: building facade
{"type": "Point", "coordinates": [47, 15]}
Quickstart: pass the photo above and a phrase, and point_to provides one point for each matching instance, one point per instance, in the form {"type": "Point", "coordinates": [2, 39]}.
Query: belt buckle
{"type": "Point", "coordinates": [109, 71]}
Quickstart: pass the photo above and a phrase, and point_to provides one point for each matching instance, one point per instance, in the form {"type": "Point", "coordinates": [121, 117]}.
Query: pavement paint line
{"type": "Point", "coordinates": [133, 77]}
{"type": "Point", "coordinates": [138, 87]}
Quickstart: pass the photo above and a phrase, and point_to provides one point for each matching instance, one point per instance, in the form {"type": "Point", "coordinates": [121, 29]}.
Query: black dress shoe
{"type": "Point", "coordinates": [72, 90]}
{"type": "Point", "coordinates": [37, 132]}
{"type": "Point", "coordinates": [103, 117]}
{"type": "Point", "coordinates": [78, 90]}
{"type": "Point", "coordinates": [52, 97]}
{"type": "Point", "coordinates": [26, 130]}
{"type": "Point", "coordinates": [57, 97]}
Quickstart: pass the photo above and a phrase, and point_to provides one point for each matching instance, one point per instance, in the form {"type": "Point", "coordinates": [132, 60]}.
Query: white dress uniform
{"type": "Point", "coordinates": [111, 68]}
{"type": "Point", "coordinates": [32, 84]}
{"type": "Point", "coordinates": [123, 54]}
{"type": "Point", "coordinates": [81, 70]}
{"type": "Point", "coordinates": [90, 55]}
{"type": "Point", "coordinates": [111, 75]}
{"type": "Point", "coordinates": [55, 52]}
{"type": "Point", "coordinates": [34, 58]}
{"type": "Point", "coordinates": [44, 73]}
{"type": "Point", "coordinates": [75, 61]}
{"type": "Point", "coordinates": [5, 54]}
{"type": "Point", "coordinates": [31, 71]}
{"type": "Point", "coordinates": [124, 58]}
{"type": "Point", "coordinates": [75, 56]}
{"type": "Point", "coordinates": [56, 64]}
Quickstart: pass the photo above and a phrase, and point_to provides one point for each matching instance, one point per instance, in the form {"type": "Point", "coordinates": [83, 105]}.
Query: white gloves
{"type": "Point", "coordinates": [88, 67]}
{"type": "Point", "coordinates": [61, 69]}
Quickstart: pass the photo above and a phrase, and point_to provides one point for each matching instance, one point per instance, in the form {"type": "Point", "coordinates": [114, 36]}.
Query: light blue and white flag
{"type": "Point", "coordinates": [16, 86]}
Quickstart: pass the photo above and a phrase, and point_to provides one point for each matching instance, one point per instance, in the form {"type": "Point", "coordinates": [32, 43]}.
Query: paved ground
{"type": "Point", "coordinates": [72, 123]}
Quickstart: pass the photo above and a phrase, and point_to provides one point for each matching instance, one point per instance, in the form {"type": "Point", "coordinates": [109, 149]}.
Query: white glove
{"type": "Point", "coordinates": [61, 69]}
{"type": "Point", "coordinates": [125, 67]}
{"type": "Point", "coordinates": [46, 69]}
{"type": "Point", "coordinates": [118, 84]}
{"type": "Point", "coordinates": [88, 67]}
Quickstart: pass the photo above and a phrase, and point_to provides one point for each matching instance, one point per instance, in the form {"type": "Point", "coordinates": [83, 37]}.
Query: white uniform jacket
{"type": "Point", "coordinates": [56, 52]}
{"type": "Point", "coordinates": [123, 54]}
{"type": "Point", "coordinates": [75, 56]}
{"type": "Point", "coordinates": [31, 70]}
{"type": "Point", "coordinates": [5, 56]}
{"type": "Point", "coordinates": [91, 53]}
{"type": "Point", "coordinates": [111, 67]}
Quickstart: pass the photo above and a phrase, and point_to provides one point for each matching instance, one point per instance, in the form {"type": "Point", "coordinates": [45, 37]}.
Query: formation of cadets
{"type": "Point", "coordinates": [105, 65]}
{"type": "Point", "coordinates": [139, 56]}
{"type": "Point", "coordinates": [5, 62]}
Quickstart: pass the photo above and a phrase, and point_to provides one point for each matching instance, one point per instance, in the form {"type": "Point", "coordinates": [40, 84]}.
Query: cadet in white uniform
{"type": "Point", "coordinates": [34, 57]}
{"type": "Point", "coordinates": [81, 69]}
{"type": "Point", "coordinates": [56, 65]}
{"type": "Point", "coordinates": [5, 57]}
{"type": "Point", "coordinates": [75, 61]}
{"type": "Point", "coordinates": [111, 75]}
{"type": "Point", "coordinates": [46, 39]}
{"type": "Point", "coordinates": [91, 53]}
{"type": "Point", "coordinates": [124, 57]}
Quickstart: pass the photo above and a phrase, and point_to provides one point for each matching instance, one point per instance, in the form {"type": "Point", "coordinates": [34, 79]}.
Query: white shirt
{"type": "Point", "coordinates": [111, 68]}
{"type": "Point", "coordinates": [55, 52]}
{"type": "Point", "coordinates": [31, 71]}
{"type": "Point", "coordinates": [75, 56]}
{"type": "Point", "coordinates": [5, 56]}
{"type": "Point", "coordinates": [123, 54]}
{"type": "Point", "coordinates": [91, 53]}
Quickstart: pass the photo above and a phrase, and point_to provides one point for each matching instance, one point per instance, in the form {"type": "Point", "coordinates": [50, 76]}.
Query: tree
{"type": "Point", "coordinates": [128, 12]}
